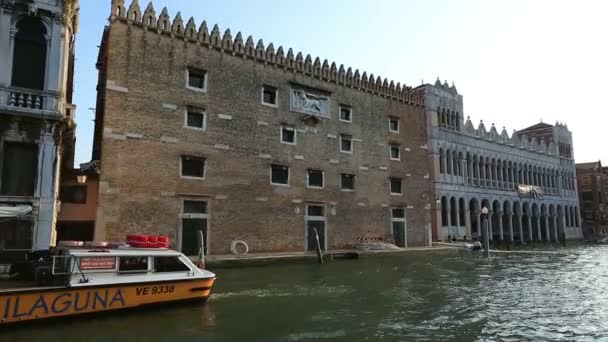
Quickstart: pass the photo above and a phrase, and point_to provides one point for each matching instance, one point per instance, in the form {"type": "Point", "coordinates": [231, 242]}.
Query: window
{"type": "Point", "coordinates": [197, 79]}
{"type": "Point", "coordinates": [133, 264]}
{"type": "Point", "coordinates": [395, 186]}
{"type": "Point", "coordinates": [346, 143]}
{"type": "Point", "coordinates": [73, 194]}
{"type": "Point", "coordinates": [586, 180]}
{"type": "Point", "coordinates": [195, 207]}
{"type": "Point", "coordinates": [315, 210]}
{"type": "Point", "coordinates": [19, 169]}
{"type": "Point", "coordinates": [195, 119]}
{"type": "Point", "coordinates": [346, 113]}
{"type": "Point", "coordinates": [193, 167]}
{"type": "Point", "coordinates": [393, 125]}
{"type": "Point", "coordinates": [29, 54]}
{"type": "Point", "coordinates": [347, 181]}
{"type": "Point", "coordinates": [394, 152]}
{"type": "Point", "coordinates": [398, 213]}
{"type": "Point", "coordinates": [269, 96]}
{"type": "Point", "coordinates": [169, 264]}
{"type": "Point", "coordinates": [587, 195]}
{"type": "Point", "coordinates": [315, 179]}
{"type": "Point", "coordinates": [279, 175]}
{"type": "Point", "coordinates": [288, 135]}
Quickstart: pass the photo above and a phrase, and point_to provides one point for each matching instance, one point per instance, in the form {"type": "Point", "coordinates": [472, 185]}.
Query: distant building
{"type": "Point", "coordinates": [526, 180]}
{"type": "Point", "coordinates": [592, 181]}
{"type": "Point", "coordinates": [36, 114]}
{"type": "Point", "coordinates": [202, 131]}
{"type": "Point", "coordinates": [78, 193]}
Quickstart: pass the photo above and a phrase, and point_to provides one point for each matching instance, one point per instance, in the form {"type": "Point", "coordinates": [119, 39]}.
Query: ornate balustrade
{"type": "Point", "coordinates": [29, 100]}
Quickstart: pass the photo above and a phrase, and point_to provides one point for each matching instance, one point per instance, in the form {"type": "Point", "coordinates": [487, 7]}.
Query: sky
{"type": "Point", "coordinates": [516, 62]}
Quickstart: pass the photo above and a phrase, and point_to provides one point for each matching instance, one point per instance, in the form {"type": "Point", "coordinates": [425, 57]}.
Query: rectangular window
{"type": "Point", "coordinates": [269, 96]}
{"type": "Point", "coordinates": [288, 135]}
{"type": "Point", "coordinates": [395, 152]}
{"type": "Point", "coordinates": [169, 264]}
{"type": "Point", "coordinates": [73, 194]}
{"type": "Point", "coordinates": [279, 175]}
{"type": "Point", "coordinates": [395, 186]}
{"type": "Point", "coordinates": [195, 207]}
{"type": "Point", "coordinates": [398, 213]}
{"type": "Point", "coordinates": [197, 79]}
{"type": "Point", "coordinates": [346, 143]}
{"type": "Point", "coordinates": [587, 195]}
{"type": "Point", "coordinates": [192, 166]}
{"type": "Point", "coordinates": [348, 182]}
{"type": "Point", "coordinates": [586, 180]}
{"type": "Point", "coordinates": [195, 119]}
{"type": "Point", "coordinates": [393, 125]}
{"type": "Point", "coordinates": [133, 264]}
{"type": "Point", "coordinates": [346, 113]}
{"type": "Point", "coordinates": [315, 210]}
{"type": "Point", "coordinates": [19, 169]}
{"type": "Point", "coordinates": [315, 179]}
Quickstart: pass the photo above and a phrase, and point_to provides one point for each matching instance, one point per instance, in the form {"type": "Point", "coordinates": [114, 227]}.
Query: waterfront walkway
{"type": "Point", "coordinates": [255, 259]}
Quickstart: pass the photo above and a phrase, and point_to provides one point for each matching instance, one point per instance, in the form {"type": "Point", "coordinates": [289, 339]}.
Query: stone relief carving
{"type": "Point", "coordinates": [309, 102]}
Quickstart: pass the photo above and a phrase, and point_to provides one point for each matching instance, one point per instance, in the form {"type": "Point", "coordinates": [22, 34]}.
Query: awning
{"type": "Point", "coordinates": [530, 191]}
{"type": "Point", "coordinates": [14, 211]}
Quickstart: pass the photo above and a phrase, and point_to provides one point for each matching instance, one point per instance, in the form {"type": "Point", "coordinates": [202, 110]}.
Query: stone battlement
{"type": "Point", "coordinates": [297, 63]}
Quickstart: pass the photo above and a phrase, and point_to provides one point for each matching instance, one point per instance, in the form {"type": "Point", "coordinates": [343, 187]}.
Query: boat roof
{"type": "Point", "coordinates": [100, 252]}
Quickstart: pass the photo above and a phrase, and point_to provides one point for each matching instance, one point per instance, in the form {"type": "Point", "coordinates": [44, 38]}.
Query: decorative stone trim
{"type": "Point", "coordinates": [221, 147]}
{"type": "Point", "coordinates": [221, 197]}
{"type": "Point", "coordinates": [261, 199]}
{"type": "Point", "coordinates": [134, 135]}
{"type": "Point", "coordinates": [114, 136]}
{"type": "Point", "coordinates": [265, 156]}
{"type": "Point", "coordinates": [111, 85]}
{"type": "Point", "coordinates": [332, 136]}
{"type": "Point", "coordinates": [298, 157]}
{"type": "Point", "coordinates": [263, 123]}
{"type": "Point", "coordinates": [296, 201]}
{"type": "Point", "coordinates": [363, 168]}
{"type": "Point", "coordinates": [169, 106]}
{"type": "Point", "coordinates": [334, 161]}
{"type": "Point", "coordinates": [224, 116]}
{"type": "Point", "coordinates": [169, 140]}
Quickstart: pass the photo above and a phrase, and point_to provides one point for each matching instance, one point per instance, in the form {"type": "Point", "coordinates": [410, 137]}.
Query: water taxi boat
{"type": "Point", "coordinates": [80, 280]}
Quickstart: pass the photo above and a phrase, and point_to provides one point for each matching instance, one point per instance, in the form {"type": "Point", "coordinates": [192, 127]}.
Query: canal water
{"type": "Point", "coordinates": [445, 295]}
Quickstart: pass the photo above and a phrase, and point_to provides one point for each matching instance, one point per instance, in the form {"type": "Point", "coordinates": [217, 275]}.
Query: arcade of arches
{"type": "Point", "coordinates": [522, 220]}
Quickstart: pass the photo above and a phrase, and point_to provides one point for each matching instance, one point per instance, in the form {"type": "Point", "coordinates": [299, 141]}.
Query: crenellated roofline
{"type": "Point", "coordinates": [268, 55]}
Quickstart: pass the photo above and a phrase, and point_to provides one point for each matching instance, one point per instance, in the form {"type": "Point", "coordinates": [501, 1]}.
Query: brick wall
{"type": "Point", "coordinates": [144, 136]}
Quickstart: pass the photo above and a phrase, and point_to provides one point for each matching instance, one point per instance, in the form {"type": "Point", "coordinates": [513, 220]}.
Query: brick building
{"type": "Point", "coordinates": [592, 181]}
{"type": "Point", "coordinates": [199, 130]}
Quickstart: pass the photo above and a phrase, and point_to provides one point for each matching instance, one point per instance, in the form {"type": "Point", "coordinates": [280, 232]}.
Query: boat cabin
{"type": "Point", "coordinates": [81, 267]}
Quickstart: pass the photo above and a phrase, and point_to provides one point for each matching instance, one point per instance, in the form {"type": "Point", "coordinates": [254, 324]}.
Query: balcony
{"type": "Point", "coordinates": [30, 102]}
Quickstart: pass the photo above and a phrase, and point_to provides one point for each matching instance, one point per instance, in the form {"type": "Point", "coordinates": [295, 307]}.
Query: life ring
{"type": "Point", "coordinates": [239, 247]}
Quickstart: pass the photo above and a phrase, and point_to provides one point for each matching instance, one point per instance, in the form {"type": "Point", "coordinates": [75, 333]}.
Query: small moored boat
{"type": "Point", "coordinates": [81, 280]}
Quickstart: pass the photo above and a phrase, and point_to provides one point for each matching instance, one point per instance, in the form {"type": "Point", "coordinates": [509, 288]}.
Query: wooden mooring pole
{"type": "Point", "coordinates": [319, 251]}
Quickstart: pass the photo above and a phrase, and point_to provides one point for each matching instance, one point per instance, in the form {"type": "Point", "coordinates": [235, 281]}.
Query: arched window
{"type": "Point", "coordinates": [29, 56]}
{"type": "Point", "coordinates": [448, 156]}
{"type": "Point", "coordinates": [441, 161]}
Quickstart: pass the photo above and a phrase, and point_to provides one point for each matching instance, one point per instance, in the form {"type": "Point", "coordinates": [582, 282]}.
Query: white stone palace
{"type": "Point", "coordinates": [527, 180]}
{"type": "Point", "coordinates": [36, 114]}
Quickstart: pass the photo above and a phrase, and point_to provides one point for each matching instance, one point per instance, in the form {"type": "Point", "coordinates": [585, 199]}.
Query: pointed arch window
{"type": "Point", "coordinates": [29, 55]}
